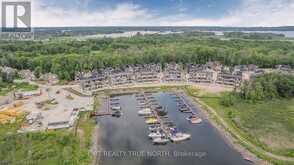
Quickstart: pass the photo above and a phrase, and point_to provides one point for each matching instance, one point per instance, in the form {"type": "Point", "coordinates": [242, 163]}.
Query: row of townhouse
{"type": "Point", "coordinates": [147, 73]}
{"type": "Point", "coordinates": [212, 72]}
{"type": "Point", "coordinates": [200, 74]}
{"type": "Point", "coordinates": [173, 73]}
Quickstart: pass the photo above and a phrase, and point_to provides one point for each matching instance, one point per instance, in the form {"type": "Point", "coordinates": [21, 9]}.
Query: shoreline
{"type": "Point", "coordinates": [227, 137]}
{"type": "Point", "coordinates": [247, 149]}
{"type": "Point", "coordinates": [96, 146]}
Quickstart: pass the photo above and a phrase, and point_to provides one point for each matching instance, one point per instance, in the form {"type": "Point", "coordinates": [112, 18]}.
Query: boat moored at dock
{"type": "Point", "coordinates": [160, 140]}
{"type": "Point", "coordinates": [193, 119]}
{"type": "Point", "coordinates": [178, 137]}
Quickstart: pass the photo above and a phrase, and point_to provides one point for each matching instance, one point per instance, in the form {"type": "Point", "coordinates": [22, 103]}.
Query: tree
{"type": "Point", "coordinates": [38, 72]}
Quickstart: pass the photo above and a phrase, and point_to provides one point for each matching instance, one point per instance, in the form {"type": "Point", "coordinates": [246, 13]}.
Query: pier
{"type": "Point", "coordinates": [108, 110]}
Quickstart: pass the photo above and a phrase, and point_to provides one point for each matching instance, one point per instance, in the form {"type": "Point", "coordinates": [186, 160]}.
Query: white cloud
{"type": "Point", "coordinates": [263, 13]}
{"type": "Point", "coordinates": [249, 13]}
{"type": "Point", "coordinates": [122, 14]}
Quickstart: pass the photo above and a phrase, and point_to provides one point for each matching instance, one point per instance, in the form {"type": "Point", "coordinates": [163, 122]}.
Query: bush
{"type": "Point", "coordinates": [268, 87]}
{"type": "Point", "coordinates": [228, 99]}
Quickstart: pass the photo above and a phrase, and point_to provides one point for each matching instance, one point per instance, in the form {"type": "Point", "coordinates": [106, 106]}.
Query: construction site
{"type": "Point", "coordinates": [47, 108]}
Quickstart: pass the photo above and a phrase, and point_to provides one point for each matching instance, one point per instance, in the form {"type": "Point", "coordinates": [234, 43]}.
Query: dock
{"type": "Point", "coordinates": [163, 121]}
{"type": "Point", "coordinates": [107, 111]}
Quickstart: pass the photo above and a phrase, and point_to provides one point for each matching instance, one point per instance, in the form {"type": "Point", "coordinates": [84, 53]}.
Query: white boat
{"type": "Point", "coordinates": [146, 111]}
{"type": "Point", "coordinates": [154, 128]}
{"type": "Point", "coordinates": [116, 108]}
{"type": "Point", "coordinates": [160, 140]}
{"type": "Point", "coordinates": [194, 119]}
{"type": "Point", "coordinates": [155, 135]}
{"type": "Point", "coordinates": [180, 137]}
{"type": "Point", "coordinates": [143, 103]}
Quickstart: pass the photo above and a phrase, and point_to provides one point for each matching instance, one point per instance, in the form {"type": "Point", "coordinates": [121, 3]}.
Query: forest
{"type": "Point", "coordinates": [65, 57]}
{"type": "Point", "coordinates": [271, 86]}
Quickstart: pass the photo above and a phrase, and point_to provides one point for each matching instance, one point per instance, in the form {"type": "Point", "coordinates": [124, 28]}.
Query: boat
{"type": "Point", "coordinates": [160, 140]}
{"type": "Point", "coordinates": [162, 112]}
{"type": "Point", "coordinates": [163, 117]}
{"type": "Point", "coordinates": [146, 111]}
{"type": "Point", "coordinates": [193, 119]}
{"type": "Point", "coordinates": [151, 121]}
{"type": "Point", "coordinates": [143, 107]}
{"type": "Point", "coordinates": [143, 103]}
{"type": "Point", "coordinates": [154, 135]}
{"type": "Point", "coordinates": [154, 128]}
{"type": "Point", "coordinates": [139, 95]}
{"type": "Point", "coordinates": [151, 118]}
{"type": "Point", "coordinates": [148, 93]}
{"type": "Point", "coordinates": [155, 104]}
{"type": "Point", "coordinates": [116, 114]}
{"type": "Point", "coordinates": [114, 103]}
{"type": "Point", "coordinates": [178, 137]}
{"type": "Point", "coordinates": [184, 109]}
{"type": "Point", "coordinates": [141, 98]}
{"type": "Point", "coordinates": [114, 99]}
{"type": "Point", "coordinates": [187, 111]}
{"type": "Point", "coordinates": [157, 107]}
{"type": "Point", "coordinates": [116, 108]}
{"type": "Point", "coordinates": [169, 125]}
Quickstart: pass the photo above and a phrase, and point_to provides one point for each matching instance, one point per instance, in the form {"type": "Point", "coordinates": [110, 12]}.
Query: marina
{"type": "Point", "coordinates": [131, 132]}
{"type": "Point", "coordinates": [162, 128]}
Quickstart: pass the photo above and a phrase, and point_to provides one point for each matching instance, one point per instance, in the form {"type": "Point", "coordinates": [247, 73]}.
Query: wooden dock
{"type": "Point", "coordinates": [107, 112]}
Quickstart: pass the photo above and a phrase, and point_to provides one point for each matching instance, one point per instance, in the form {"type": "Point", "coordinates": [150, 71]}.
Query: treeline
{"type": "Point", "coordinates": [7, 77]}
{"type": "Point", "coordinates": [267, 87]}
{"type": "Point", "coordinates": [66, 57]}
{"type": "Point", "coordinates": [253, 35]}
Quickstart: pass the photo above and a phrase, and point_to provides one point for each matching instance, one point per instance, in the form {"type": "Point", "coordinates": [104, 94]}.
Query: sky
{"type": "Point", "coordinates": [162, 13]}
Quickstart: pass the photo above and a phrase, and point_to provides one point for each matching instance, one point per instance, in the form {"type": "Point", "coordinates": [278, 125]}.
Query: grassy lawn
{"type": "Point", "coordinates": [54, 147]}
{"type": "Point", "coordinates": [5, 88]}
{"type": "Point", "coordinates": [86, 126]}
{"type": "Point", "coordinates": [25, 86]}
{"type": "Point", "coordinates": [269, 125]}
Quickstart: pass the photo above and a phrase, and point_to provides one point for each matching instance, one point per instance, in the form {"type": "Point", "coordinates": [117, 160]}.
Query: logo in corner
{"type": "Point", "coordinates": [16, 16]}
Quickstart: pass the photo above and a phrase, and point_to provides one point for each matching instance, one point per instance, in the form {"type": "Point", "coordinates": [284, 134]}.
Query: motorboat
{"type": "Point", "coordinates": [162, 112]}
{"type": "Point", "coordinates": [151, 121]}
{"type": "Point", "coordinates": [114, 99]}
{"type": "Point", "coordinates": [114, 103]}
{"type": "Point", "coordinates": [154, 128]}
{"type": "Point", "coordinates": [154, 135]}
{"type": "Point", "coordinates": [194, 119]}
{"type": "Point", "coordinates": [116, 114]}
{"type": "Point", "coordinates": [143, 103]}
{"type": "Point", "coordinates": [177, 137]}
{"type": "Point", "coordinates": [117, 108]}
{"type": "Point", "coordinates": [141, 98]}
{"type": "Point", "coordinates": [151, 118]}
{"type": "Point", "coordinates": [144, 106]}
{"type": "Point", "coordinates": [184, 109]}
{"type": "Point", "coordinates": [146, 111]}
{"type": "Point", "coordinates": [160, 140]}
